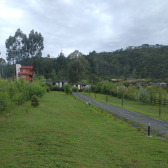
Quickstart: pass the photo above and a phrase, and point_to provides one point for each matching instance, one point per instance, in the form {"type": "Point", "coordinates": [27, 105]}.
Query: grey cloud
{"type": "Point", "coordinates": [89, 25]}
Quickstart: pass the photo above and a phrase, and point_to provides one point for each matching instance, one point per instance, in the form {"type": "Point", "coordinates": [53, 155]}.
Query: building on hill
{"type": "Point", "coordinates": [82, 85]}
{"type": "Point", "coordinates": [24, 72]}
{"type": "Point", "coordinates": [115, 80]}
{"type": "Point", "coordinates": [59, 83]}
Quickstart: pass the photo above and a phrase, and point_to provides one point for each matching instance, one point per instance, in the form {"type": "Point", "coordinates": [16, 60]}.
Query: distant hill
{"type": "Point", "coordinates": [142, 61]}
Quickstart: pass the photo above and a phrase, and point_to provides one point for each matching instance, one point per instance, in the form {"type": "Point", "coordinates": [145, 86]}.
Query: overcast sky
{"type": "Point", "coordinates": [86, 25]}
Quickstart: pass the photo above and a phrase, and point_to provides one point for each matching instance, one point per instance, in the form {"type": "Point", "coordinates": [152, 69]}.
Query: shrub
{"type": "Point", "coordinates": [98, 88]}
{"type": "Point", "coordinates": [67, 89]}
{"type": "Point", "coordinates": [56, 88]}
{"type": "Point", "coordinates": [104, 89]}
{"type": "Point", "coordinates": [74, 88]}
{"type": "Point", "coordinates": [93, 87]}
{"type": "Point", "coordinates": [113, 93]}
{"type": "Point", "coordinates": [37, 90]}
{"type": "Point", "coordinates": [87, 89]}
{"type": "Point", "coordinates": [126, 96]}
{"type": "Point", "coordinates": [34, 101]}
{"type": "Point", "coordinates": [143, 96]}
{"type": "Point", "coordinates": [4, 101]}
{"type": "Point", "coordinates": [49, 85]}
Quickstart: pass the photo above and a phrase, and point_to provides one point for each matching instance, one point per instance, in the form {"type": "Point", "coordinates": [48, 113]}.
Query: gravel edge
{"type": "Point", "coordinates": [158, 127]}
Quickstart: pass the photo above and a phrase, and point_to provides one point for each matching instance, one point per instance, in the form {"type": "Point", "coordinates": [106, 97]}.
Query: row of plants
{"type": "Point", "coordinates": [17, 92]}
{"type": "Point", "coordinates": [147, 95]}
{"type": "Point", "coordinates": [152, 94]}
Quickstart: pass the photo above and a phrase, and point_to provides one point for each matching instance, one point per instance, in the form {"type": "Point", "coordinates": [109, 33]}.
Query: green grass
{"type": "Point", "coordinates": [63, 132]}
{"type": "Point", "coordinates": [147, 109]}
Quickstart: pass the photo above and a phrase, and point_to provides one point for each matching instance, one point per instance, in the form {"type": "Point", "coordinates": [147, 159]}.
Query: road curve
{"type": "Point", "coordinates": [158, 126]}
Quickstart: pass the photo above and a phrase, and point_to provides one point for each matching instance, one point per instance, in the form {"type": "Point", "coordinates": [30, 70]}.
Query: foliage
{"type": "Point", "coordinates": [75, 71]}
{"type": "Point", "coordinates": [87, 89]}
{"type": "Point", "coordinates": [67, 88]}
{"type": "Point", "coordinates": [34, 101]}
{"type": "Point", "coordinates": [49, 86]}
{"type": "Point", "coordinates": [16, 93]}
{"type": "Point", "coordinates": [98, 87]}
{"type": "Point", "coordinates": [54, 75]}
{"type": "Point", "coordinates": [20, 47]}
{"type": "Point", "coordinates": [56, 88]}
{"type": "Point", "coordinates": [143, 95]}
{"type": "Point", "coordinates": [4, 101]}
{"type": "Point", "coordinates": [37, 90]}
{"type": "Point", "coordinates": [93, 88]}
{"type": "Point", "coordinates": [75, 88]}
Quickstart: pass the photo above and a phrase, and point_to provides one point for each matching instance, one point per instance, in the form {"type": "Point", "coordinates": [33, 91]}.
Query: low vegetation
{"type": "Point", "coordinates": [63, 132]}
{"type": "Point", "coordinates": [140, 107]}
{"type": "Point", "coordinates": [14, 93]}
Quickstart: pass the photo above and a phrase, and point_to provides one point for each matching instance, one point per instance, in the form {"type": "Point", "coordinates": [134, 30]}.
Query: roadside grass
{"type": "Point", "coordinates": [64, 132]}
{"type": "Point", "coordinates": [147, 109]}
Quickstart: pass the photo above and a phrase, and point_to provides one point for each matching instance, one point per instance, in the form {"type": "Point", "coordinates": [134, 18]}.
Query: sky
{"type": "Point", "coordinates": [86, 25]}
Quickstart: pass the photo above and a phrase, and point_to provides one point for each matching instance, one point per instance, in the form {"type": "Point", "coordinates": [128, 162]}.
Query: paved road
{"type": "Point", "coordinates": [156, 124]}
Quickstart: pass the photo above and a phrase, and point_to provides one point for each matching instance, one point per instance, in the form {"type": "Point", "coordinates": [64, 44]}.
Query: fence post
{"type": "Point", "coordinates": [149, 130]}
{"type": "Point", "coordinates": [159, 110]}
{"type": "Point", "coordinates": [106, 99]}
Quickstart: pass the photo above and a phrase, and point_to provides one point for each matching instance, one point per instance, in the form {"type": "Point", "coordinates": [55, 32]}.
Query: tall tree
{"type": "Point", "coordinates": [61, 66]}
{"type": "Point", "coordinates": [35, 43]}
{"type": "Point", "coordinates": [75, 71]}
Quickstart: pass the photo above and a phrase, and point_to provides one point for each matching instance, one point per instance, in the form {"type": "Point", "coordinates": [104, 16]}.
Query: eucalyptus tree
{"type": "Point", "coordinates": [35, 43]}
{"type": "Point", "coordinates": [20, 48]}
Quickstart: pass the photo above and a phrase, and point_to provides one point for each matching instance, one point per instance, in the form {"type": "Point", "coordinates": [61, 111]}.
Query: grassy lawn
{"type": "Point", "coordinates": [147, 109]}
{"type": "Point", "coordinates": [63, 132]}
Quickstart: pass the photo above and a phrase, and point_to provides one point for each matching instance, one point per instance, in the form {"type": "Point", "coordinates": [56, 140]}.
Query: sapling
{"type": "Point", "coordinates": [34, 101]}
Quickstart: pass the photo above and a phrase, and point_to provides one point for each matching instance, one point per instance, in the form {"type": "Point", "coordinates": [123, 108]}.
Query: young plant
{"type": "Point", "coordinates": [34, 101]}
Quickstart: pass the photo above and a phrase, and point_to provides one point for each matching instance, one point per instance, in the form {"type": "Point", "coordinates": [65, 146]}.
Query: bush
{"type": "Point", "coordinates": [67, 89]}
{"type": "Point", "coordinates": [34, 101]}
{"type": "Point", "coordinates": [104, 89]}
{"type": "Point", "coordinates": [126, 96]}
{"type": "Point", "coordinates": [87, 89]}
{"type": "Point", "coordinates": [93, 87]}
{"type": "Point", "coordinates": [74, 88]}
{"type": "Point", "coordinates": [4, 101]}
{"type": "Point", "coordinates": [113, 93]}
{"type": "Point", "coordinates": [56, 88]}
{"type": "Point", "coordinates": [143, 96]}
{"type": "Point", "coordinates": [49, 85]}
{"type": "Point", "coordinates": [98, 88]}
{"type": "Point", "coordinates": [37, 91]}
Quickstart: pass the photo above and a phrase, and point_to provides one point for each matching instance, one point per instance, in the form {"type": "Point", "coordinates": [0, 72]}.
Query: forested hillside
{"type": "Point", "coordinates": [145, 61]}
{"type": "Point", "coordinates": [137, 62]}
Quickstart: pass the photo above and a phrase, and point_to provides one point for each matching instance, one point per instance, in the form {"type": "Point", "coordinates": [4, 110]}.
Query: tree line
{"type": "Point", "coordinates": [145, 61]}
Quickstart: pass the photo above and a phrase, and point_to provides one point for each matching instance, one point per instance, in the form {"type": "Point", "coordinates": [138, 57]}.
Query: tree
{"type": "Point", "coordinates": [75, 71]}
{"type": "Point", "coordinates": [54, 75]}
{"type": "Point", "coordinates": [67, 89]}
{"type": "Point", "coordinates": [2, 66]}
{"type": "Point", "coordinates": [142, 95]}
{"type": "Point", "coordinates": [20, 48]}
{"type": "Point", "coordinates": [47, 67]}
{"type": "Point", "coordinates": [134, 73]}
{"type": "Point", "coordinates": [35, 43]}
{"type": "Point", "coordinates": [75, 54]}
{"type": "Point", "coordinates": [61, 66]}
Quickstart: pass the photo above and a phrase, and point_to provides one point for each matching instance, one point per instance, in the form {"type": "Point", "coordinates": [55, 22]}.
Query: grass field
{"type": "Point", "coordinates": [63, 132]}
{"type": "Point", "coordinates": [147, 109]}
